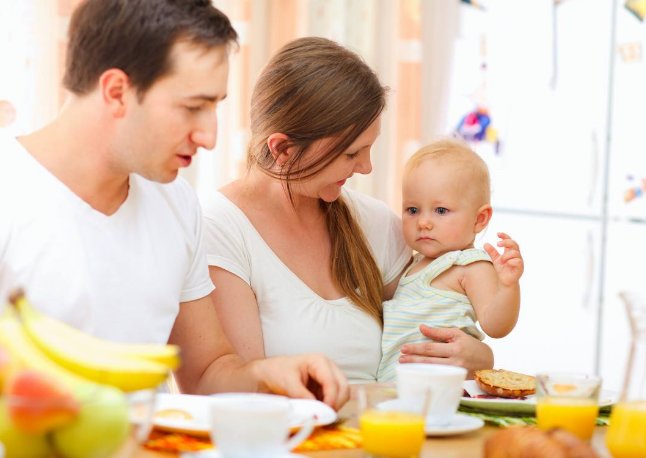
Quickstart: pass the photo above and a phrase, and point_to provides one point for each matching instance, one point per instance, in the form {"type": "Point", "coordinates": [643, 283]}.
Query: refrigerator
{"type": "Point", "coordinates": [565, 146]}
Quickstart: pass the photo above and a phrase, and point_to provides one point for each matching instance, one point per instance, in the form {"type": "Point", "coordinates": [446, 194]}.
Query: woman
{"type": "Point", "coordinates": [300, 263]}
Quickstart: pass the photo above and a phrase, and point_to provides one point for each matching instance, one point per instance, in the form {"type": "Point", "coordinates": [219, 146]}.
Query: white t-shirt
{"type": "Point", "coordinates": [119, 277]}
{"type": "Point", "coordinates": [294, 318]}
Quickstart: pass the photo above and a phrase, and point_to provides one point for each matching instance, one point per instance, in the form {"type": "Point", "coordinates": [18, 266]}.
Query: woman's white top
{"type": "Point", "coordinates": [294, 318]}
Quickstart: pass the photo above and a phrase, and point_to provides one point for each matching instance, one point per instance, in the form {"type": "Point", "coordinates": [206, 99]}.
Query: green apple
{"type": "Point", "coordinates": [100, 428]}
{"type": "Point", "coordinates": [19, 444]}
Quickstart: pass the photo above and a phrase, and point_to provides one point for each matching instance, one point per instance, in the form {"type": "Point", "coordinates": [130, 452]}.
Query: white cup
{"type": "Point", "coordinates": [250, 425]}
{"type": "Point", "coordinates": [443, 383]}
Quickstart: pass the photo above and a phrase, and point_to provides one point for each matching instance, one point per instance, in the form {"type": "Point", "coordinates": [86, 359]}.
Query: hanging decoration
{"type": "Point", "coordinates": [636, 190]}
{"type": "Point", "coordinates": [637, 8]}
{"type": "Point", "coordinates": [476, 125]}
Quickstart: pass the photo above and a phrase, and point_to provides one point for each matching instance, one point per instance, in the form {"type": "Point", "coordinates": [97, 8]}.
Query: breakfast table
{"type": "Point", "coordinates": [469, 445]}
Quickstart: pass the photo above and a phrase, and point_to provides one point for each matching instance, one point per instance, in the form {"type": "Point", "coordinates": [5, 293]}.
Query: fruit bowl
{"type": "Point", "coordinates": [96, 422]}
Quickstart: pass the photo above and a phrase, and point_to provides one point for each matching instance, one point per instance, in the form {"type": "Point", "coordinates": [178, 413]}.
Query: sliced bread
{"type": "Point", "coordinates": [506, 384]}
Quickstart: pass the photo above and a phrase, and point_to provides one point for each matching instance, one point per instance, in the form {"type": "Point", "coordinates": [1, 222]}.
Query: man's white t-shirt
{"type": "Point", "coordinates": [294, 318]}
{"type": "Point", "coordinates": [119, 277]}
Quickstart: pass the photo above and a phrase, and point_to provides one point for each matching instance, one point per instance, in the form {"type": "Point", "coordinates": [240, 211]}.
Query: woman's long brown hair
{"type": "Point", "coordinates": [311, 89]}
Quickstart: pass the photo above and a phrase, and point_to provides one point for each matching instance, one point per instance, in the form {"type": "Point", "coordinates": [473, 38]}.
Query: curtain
{"type": "Point", "coordinates": [408, 43]}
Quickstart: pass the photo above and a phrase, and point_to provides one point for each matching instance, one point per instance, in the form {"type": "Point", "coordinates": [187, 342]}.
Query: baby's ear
{"type": "Point", "coordinates": [483, 218]}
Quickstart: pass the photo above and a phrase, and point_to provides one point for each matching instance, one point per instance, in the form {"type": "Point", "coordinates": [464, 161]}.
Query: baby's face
{"type": "Point", "coordinates": [439, 211]}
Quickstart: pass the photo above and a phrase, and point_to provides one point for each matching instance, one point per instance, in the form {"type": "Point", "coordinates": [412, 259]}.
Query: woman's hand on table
{"type": "Point", "coordinates": [448, 346]}
{"type": "Point", "coordinates": [308, 376]}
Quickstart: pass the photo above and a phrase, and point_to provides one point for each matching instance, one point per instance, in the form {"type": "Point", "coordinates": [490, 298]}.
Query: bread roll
{"type": "Point", "coordinates": [530, 442]}
{"type": "Point", "coordinates": [506, 384]}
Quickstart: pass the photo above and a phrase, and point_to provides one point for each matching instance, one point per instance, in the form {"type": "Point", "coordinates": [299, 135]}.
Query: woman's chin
{"type": "Point", "coordinates": [330, 196]}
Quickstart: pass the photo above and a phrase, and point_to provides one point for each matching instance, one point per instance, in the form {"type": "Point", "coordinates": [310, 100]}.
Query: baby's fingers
{"type": "Point", "coordinates": [509, 255]}
{"type": "Point", "coordinates": [491, 251]}
{"type": "Point", "coordinates": [508, 244]}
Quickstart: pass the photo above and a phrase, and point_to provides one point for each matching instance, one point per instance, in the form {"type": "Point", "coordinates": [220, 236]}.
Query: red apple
{"type": "Point", "coordinates": [37, 403]}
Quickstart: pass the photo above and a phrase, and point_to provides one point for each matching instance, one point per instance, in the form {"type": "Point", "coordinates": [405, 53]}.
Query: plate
{"type": "Point", "coordinates": [516, 406]}
{"type": "Point", "coordinates": [216, 454]}
{"type": "Point", "coordinates": [459, 424]}
{"type": "Point", "coordinates": [189, 414]}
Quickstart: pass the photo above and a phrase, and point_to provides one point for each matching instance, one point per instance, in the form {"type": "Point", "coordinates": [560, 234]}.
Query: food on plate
{"type": "Point", "coordinates": [175, 414]}
{"type": "Point", "coordinates": [530, 442]}
{"type": "Point", "coordinates": [506, 384]}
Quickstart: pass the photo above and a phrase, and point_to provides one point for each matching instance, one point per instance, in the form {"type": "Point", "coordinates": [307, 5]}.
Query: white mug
{"type": "Point", "coordinates": [443, 383]}
{"type": "Point", "coordinates": [250, 425]}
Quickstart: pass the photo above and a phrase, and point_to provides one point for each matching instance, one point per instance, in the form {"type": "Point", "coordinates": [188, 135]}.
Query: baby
{"type": "Point", "coordinates": [449, 283]}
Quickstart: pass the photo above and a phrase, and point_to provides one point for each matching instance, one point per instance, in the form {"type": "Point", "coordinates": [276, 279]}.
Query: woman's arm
{"type": "Point", "coordinates": [237, 311]}
{"type": "Point", "coordinates": [389, 289]}
{"type": "Point", "coordinates": [449, 346]}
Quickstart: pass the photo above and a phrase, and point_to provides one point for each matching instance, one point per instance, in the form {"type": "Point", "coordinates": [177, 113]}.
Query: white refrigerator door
{"type": "Point", "coordinates": [628, 147]}
{"type": "Point", "coordinates": [558, 320]}
{"type": "Point", "coordinates": [546, 90]}
{"type": "Point", "coordinates": [626, 251]}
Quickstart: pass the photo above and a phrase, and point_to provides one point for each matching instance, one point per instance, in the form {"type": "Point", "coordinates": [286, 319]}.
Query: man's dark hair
{"type": "Point", "coordinates": [137, 36]}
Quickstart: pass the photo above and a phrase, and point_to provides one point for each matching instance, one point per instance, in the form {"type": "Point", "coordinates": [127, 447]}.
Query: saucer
{"type": "Point", "coordinates": [459, 424]}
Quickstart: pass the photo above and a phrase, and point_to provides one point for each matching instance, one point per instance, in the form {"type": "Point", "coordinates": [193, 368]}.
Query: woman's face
{"type": "Point", "coordinates": [326, 184]}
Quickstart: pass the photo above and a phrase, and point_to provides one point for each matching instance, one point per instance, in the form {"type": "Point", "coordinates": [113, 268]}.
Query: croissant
{"type": "Point", "coordinates": [530, 442]}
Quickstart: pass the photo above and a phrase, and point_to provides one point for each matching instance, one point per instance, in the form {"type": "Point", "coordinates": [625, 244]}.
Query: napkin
{"type": "Point", "coordinates": [509, 419]}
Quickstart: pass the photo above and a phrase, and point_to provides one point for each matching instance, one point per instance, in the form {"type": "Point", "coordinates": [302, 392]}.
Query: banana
{"type": "Point", "coordinates": [90, 362]}
{"type": "Point", "coordinates": [25, 354]}
{"type": "Point", "coordinates": [62, 336]}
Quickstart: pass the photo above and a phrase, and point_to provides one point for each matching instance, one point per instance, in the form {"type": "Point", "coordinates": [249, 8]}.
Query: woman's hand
{"type": "Point", "coordinates": [449, 346]}
{"type": "Point", "coordinates": [309, 376]}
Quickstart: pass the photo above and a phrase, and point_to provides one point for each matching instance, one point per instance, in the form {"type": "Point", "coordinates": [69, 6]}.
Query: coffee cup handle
{"type": "Point", "coordinates": [302, 434]}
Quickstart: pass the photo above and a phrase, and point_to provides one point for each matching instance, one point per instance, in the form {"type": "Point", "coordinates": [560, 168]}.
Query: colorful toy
{"type": "Point", "coordinates": [636, 190]}
{"type": "Point", "coordinates": [476, 126]}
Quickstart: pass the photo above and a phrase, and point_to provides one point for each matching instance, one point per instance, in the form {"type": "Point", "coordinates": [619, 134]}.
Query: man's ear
{"type": "Point", "coordinates": [277, 147]}
{"type": "Point", "coordinates": [483, 218]}
{"type": "Point", "coordinates": [114, 85]}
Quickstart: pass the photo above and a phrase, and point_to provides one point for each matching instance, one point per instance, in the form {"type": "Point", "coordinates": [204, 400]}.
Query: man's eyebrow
{"type": "Point", "coordinates": [207, 98]}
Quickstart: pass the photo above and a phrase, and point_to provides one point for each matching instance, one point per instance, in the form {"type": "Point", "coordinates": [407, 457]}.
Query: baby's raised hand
{"type": "Point", "coordinates": [509, 265]}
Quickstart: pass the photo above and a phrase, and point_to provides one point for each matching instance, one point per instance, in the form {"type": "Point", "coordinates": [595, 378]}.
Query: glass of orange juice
{"type": "Point", "coordinates": [568, 401]}
{"type": "Point", "coordinates": [388, 429]}
{"type": "Point", "coordinates": [626, 436]}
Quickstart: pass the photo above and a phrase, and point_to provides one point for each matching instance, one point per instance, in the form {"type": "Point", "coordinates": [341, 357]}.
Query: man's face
{"type": "Point", "coordinates": [161, 133]}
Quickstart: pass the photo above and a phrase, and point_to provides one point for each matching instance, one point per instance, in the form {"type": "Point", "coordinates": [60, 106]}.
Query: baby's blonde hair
{"type": "Point", "coordinates": [468, 165]}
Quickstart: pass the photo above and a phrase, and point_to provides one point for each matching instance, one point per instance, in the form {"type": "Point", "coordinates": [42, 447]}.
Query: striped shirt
{"type": "Point", "coordinates": [416, 302]}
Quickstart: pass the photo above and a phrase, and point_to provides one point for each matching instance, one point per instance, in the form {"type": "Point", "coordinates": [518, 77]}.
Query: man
{"type": "Point", "coordinates": [93, 222]}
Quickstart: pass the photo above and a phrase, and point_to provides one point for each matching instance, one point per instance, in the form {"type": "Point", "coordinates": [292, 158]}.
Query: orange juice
{"type": "Point", "coordinates": [626, 437]}
{"type": "Point", "coordinates": [392, 434]}
{"type": "Point", "coordinates": [577, 415]}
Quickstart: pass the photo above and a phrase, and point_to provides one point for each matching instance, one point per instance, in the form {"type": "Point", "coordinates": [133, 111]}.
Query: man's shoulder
{"type": "Point", "coordinates": [12, 154]}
